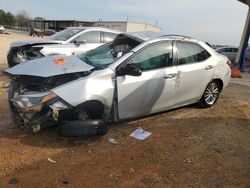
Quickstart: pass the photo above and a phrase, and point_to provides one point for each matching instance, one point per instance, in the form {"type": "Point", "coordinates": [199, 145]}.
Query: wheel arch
{"type": "Point", "coordinates": [221, 84]}
{"type": "Point", "coordinates": [94, 108]}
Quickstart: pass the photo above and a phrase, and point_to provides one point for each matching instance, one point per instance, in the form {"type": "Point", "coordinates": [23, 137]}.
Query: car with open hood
{"type": "Point", "coordinates": [71, 41]}
{"type": "Point", "coordinates": [136, 75]}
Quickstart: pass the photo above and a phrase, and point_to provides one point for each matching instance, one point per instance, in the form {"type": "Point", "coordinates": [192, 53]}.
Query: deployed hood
{"type": "Point", "coordinates": [50, 66]}
{"type": "Point", "coordinates": [33, 42]}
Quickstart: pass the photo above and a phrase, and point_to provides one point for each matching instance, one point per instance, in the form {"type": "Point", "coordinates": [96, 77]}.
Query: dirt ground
{"type": "Point", "coordinates": [189, 147]}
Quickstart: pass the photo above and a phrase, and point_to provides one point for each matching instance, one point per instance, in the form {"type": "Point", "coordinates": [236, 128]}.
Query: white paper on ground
{"type": "Point", "coordinates": [140, 134]}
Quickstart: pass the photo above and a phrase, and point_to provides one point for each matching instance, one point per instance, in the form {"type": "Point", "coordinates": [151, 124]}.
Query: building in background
{"type": "Point", "coordinates": [125, 26]}
{"type": "Point", "coordinates": [58, 25]}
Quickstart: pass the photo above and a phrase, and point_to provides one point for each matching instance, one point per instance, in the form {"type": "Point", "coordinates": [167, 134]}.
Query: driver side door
{"type": "Point", "coordinates": [154, 89]}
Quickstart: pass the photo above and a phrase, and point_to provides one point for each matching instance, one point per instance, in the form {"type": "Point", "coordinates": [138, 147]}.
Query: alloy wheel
{"type": "Point", "coordinates": [211, 93]}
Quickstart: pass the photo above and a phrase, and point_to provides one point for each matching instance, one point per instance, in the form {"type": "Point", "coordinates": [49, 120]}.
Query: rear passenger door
{"type": "Point", "coordinates": [194, 71]}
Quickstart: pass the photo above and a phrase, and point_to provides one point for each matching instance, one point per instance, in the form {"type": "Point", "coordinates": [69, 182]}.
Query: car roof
{"type": "Point", "coordinates": [95, 28]}
{"type": "Point", "coordinates": [143, 36]}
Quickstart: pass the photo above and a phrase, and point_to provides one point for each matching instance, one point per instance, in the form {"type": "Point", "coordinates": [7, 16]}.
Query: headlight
{"type": "Point", "coordinates": [32, 102]}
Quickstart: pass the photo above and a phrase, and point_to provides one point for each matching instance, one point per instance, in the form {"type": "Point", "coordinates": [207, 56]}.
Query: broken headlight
{"type": "Point", "coordinates": [32, 102]}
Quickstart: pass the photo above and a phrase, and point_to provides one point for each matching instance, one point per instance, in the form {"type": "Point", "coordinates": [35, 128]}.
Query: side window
{"type": "Point", "coordinates": [235, 50]}
{"type": "Point", "coordinates": [191, 53]}
{"type": "Point", "coordinates": [108, 37]}
{"type": "Point", "coordinates": [154, 56]}
{"type": "Point", "coordinates": [90, 37]}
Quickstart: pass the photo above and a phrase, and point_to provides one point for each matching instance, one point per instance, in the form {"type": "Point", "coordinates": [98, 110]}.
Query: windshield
{"type": "Point", "coordinates": [100, 57]}
{"type": "Point", "coordinates": [66, 34]}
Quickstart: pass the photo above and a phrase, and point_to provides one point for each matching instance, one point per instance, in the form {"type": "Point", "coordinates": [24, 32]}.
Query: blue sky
{"type": "Point", "coordinates": [215, 21]}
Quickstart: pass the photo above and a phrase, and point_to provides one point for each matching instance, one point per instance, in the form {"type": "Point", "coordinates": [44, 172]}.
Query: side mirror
{"type": "Point", "coordinates": [79, 42]}
{"type": "Point", "coordinates": [129, 69]}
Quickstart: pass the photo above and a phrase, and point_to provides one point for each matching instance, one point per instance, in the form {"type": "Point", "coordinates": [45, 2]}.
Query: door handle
{"type": "Point", "coordinates": [209, 67]}
{"type": "Point", "coordinates": [169, 76]}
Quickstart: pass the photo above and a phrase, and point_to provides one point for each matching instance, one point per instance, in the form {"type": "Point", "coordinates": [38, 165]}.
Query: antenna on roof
{"type": "Point", "coordinates": [127, 17]}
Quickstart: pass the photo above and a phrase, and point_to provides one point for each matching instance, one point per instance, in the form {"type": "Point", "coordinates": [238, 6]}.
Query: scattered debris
{"type": "Point", "coordinates": [13, 181]}
{"type": "Point", "coordinates": [112, 140]}
{"type": "Point", "coordinates": [65, 182]}
{"type": "Point", "coordinates": [51, 160]}
{"type": "Point", "coordinates": [132, 170]}
{"type": "Point", "coordinates": [140, 134]}
{"type": "Point", "coordinates": [5, 32]}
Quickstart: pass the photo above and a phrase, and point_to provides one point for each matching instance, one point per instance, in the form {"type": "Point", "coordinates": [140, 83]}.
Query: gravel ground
{"type": "Point", "coordinates": [189, 147]}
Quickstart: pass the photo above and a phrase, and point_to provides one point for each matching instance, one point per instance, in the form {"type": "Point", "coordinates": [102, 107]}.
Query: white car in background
{"type": "Point", "coordinates": [71, 41]}
{"type": "Point", "coordinates": [230, 52]}
{"type": "Point", "coordinates": [2, 28]}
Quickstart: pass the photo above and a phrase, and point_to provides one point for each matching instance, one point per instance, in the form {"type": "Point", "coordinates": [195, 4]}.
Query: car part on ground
{"type": "Point", "coordinates": [73, 40]}
{"type": "Point", "coordinates": [84, 128]}
{"type": "Point", "coordinates": [136, 75]}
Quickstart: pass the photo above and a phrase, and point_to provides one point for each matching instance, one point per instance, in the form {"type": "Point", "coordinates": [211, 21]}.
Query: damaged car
{"type": "Point", "coordinates": [71, 41]}
{"type": "Point", "coordinates": [136, 75]}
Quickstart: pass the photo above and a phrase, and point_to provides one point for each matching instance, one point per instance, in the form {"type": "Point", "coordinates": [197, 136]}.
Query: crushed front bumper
{"type": "Point", "coordinates": [41, 115]}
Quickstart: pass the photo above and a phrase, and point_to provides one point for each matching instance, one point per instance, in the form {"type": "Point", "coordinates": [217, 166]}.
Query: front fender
{"type": "Point", "coordinates": [97, 86]}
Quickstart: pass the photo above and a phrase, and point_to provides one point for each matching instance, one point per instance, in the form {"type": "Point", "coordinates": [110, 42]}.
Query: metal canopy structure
{"type": "Point", "coordinates": [245, 35]}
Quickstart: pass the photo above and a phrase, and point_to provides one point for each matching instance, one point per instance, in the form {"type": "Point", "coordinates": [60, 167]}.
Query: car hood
{"type": "Point", "coordinates": [50, 66]}
{"type": "Point", "coordinates": [33, 42]}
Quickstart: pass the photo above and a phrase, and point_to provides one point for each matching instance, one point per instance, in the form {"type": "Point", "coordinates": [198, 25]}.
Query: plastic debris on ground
{"type": "Point", "coordinates": [140, 134]}
{"type": "Point", "coordinates": [112, 140]}
{"type": "Point", "coordinates": [13, 181]}
{"type": "Point", "coordinates": [51, 160]}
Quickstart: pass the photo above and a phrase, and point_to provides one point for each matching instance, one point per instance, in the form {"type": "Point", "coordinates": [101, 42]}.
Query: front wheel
{"type": "Point", "coordinates": [211, 94]}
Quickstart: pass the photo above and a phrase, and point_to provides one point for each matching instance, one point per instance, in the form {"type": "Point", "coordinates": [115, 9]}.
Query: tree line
{"type": "Point", "coordinates": [21, 19]}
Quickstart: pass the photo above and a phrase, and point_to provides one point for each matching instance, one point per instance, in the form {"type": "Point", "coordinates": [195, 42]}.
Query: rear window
{"type": "Point", "coordinates": [191, 53]}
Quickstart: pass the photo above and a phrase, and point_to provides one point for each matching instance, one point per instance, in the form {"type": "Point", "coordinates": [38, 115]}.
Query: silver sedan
{"type": "Point", "coordinates": [136, 75]}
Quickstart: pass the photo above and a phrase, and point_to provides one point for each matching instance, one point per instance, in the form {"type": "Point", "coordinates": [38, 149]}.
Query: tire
{"type": "Point", "coordinates": [210, 95]}
{"type": "Point", "coordinates": [84, 128]}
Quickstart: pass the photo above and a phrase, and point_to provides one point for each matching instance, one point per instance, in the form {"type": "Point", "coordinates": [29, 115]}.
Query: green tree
{"type": "Point", "coordinates": [6, 18]}
{"type": "Point", "coordinates": [23, 19]}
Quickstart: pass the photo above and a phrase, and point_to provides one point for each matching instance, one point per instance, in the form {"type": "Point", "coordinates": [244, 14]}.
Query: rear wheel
{"type": "Point", "coordinates": [211, 94]}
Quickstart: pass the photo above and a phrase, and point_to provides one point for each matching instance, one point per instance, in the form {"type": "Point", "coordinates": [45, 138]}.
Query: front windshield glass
{"type": "Point", "coordinates": [65, 34]}
{"type": "Point", "coordinates": [100, 57]}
